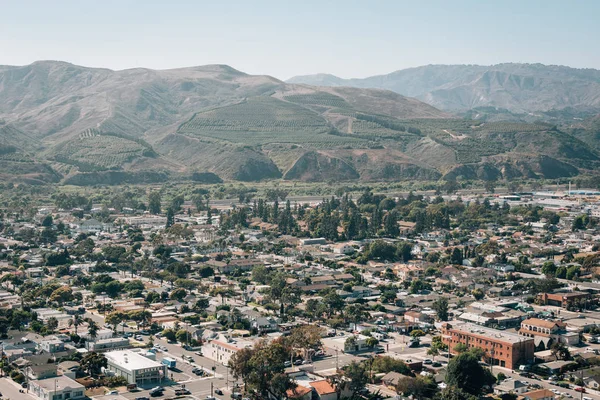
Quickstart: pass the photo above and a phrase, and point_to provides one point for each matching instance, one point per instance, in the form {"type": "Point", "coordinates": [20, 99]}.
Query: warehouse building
{"type": "Point", "coordinates": [135, 367]}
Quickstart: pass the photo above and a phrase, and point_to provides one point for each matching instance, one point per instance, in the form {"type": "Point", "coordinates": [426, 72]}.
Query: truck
{"type": "Point", "coordinates": [169, 362]}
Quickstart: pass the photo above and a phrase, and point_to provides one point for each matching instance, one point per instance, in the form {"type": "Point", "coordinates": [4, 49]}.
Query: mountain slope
{"type": "Point", "coordinates": [521, 88]}
{"type": "Point", "coordinates": [89, 126]}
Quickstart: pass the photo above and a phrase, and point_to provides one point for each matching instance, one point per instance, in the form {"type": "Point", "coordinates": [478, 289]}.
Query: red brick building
{"type": "Point", "coordinates": [501, 348]}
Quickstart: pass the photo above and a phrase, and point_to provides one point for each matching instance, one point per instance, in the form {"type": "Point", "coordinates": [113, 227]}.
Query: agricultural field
{"type": "Point", "coordinates": [319, 99]}
{"type": "Point", "coordinates": [91, 152]}
{"type": "Point", "coordinates": [255, 115]}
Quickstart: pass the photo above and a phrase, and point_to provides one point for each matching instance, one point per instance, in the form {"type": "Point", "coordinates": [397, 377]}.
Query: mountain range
{"type": "Point", "coordinates": [76, 125]}
{"type": "Point", "coordinates": [517, 88]}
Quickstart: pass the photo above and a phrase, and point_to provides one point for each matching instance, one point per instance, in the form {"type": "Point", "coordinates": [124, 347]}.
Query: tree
{"type": "Point", "coordinates": [355, 313]}
{"type": "Point", "coordinates": [490, 186]}
{"type": "Point", "coordinates": [456, 257]}
{"type": "Point", "coordinates": [307, 338]}
{"type": "Point", "coordinates": [262, 368]}
{"type": "Point", "coordinates": [178, 294]}
{"type": "Point", "coordinates": [466, 373]}
{"type": "Point", "coordinates": [52, 324]}
{"type": "Point", "coordinates": [339, 384]}
{"type": "Point", "coordinates": [170, 335]}
{"type": "Point", "coordinates": [454, 393]}
{"type": "Point", "coordinates": [417, 333]}
{"type": "Point", "coordinates": [387, 364]}
{"type": "Point", "coordinates": [419, 387]}
{"type": "Point", "coordinates": [115, 318]}
{"type": "Point", "coordinates": [549, 268]}
{"type": "Point", "coordinates": [154, 202]}
{"type": "Point", "coordinates": [356, 373]}
{"type": "Point", "coordinates": [478, 294]}
{"type": "Point", "coordinates": [441, 308]}
{"type": "Point", "coordinates": [560, 351]}
{"type": "Point", "coordinates": [433, 351]}
{"type": "Point", "coordinates": [182, 336]}
{"type": "Point", "coordinates": [93, 363]}
{"type": "Point", "coordinates": [92, 328]}
{"type": "Point", "coordinates": [47, 222]}
{"type": "Point", "coordinates": [62, 295]}
{"type": "Point", "coordinates": [371, 342]}
{"type": "Point", "coordinates": [76, 321]}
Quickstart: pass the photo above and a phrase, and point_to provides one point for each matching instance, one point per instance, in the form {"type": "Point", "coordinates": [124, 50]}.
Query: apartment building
{"type": "Point", "coordinates": [501, 348]}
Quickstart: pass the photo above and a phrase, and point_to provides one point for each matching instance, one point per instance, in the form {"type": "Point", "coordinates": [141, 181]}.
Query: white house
{"type": "Point", "coordinates": [58, 388]}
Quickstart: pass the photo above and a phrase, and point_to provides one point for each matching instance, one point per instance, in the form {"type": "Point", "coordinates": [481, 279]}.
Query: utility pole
{"type": "Point", "coordinates": [337, 366]}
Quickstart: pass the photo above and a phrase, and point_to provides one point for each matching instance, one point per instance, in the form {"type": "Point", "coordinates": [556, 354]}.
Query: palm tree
{"type": "Point", "coordinates": [92, 328]}
{"type": "Point", "coordinates": [76, 321]}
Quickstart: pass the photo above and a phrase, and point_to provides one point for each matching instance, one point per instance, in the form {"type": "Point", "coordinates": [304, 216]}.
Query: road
{"type": "Point", "coordinates": [225, 203]}
{"type": "Point", "coordinates": [566, 393]}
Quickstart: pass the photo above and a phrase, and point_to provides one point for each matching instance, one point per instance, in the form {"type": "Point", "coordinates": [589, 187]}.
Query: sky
{"type": "Point", "coordinates": [350, 39]}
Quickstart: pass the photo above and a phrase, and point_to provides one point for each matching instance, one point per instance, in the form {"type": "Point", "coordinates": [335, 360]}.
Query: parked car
{"type": "Point", "coordinates": [142, 398]}
{"type": "Point", "coordinates": [427, 361]}
{"type": "Point", "coordinates": [580, 389]}
{"type": "Point", "coordinates": [181, 392]}
{"type": "Point", "coordinates": [287, 364]}
{"type": "Point", "coordinates": [298, 362]}
{"type": "Point", "coordinates": [219, 392]}
{"type": "Point", "coordinates": [113, 392]}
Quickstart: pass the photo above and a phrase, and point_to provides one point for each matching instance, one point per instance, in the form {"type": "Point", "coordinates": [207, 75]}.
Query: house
{"type": "Point", "coordinates": [416, 317]}
{"type": "Point", "coordinates": [324, 390]}
{"type": "Point", "coordinates": [407, 271]}
{"type": "Point", "coordinates": [511, 386]}
{"type": "Point", "coordinates": [391, 379]}
{"type": "Point", "coordinates": [42, 371]}
{"type": "Point", "coordinates": [57, 388]}
{"type": "Point", "coordinates": [264, 324]}
{"type": "Point", "coordinates": [242, 264]}
{"type": "Point", "coordinates": [299, 393]}
{"type": "Point", "coordinates": [360, 292]}
{"type": "Point", "coordinates": [504, 268]}
{"type": "Point", "coordinates": [52, 345]}
{"type": "Point", "coordinates": [94, 226]}
{"type": "Point", "coordinates": [343, 248]}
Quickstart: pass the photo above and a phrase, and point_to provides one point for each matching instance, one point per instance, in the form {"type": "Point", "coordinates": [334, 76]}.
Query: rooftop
{"type": "Point", "coordinates": [130, 360]}
{"type": "Point", "coordinates": [488, 333]}
{"type": "Point", "coordinates": [60, 383]}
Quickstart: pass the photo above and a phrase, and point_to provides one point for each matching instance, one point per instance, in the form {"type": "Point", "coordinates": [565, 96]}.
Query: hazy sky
{"type": "Point", "coordinates": [286, 38]}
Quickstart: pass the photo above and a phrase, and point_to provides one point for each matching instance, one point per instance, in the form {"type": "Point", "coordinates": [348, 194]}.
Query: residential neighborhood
{"type": "Point", "coordinates": [363, 295]}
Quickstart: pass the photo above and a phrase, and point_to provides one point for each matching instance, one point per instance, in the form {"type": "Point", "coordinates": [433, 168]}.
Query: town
{"type": "Point", "coordinates": [454, 295]}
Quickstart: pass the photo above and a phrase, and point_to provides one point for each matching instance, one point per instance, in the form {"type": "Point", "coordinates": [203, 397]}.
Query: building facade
{"type": "Point", "coordinates": [58, 388]}
{"type": "Point", "coordinates": [135, 367]}
{"type": "Point", "coordinates": [501, 348]}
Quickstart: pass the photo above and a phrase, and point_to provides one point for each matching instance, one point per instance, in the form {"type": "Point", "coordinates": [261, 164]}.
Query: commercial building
{"type": "Point", "coordinates": [108, 344]}
{"type": "Point", "coordinates": [58, 388]}
{"type": "Point", "coordinates": [222, 350]}
{"type": "Point", "coordinates": [564, 300]}
{"type": "Point", "coordinates": [135, 367]}
{"type": "Point", "coordinates": [501, 348]}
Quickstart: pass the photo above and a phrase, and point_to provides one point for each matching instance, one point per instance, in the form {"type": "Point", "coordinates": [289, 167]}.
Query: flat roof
{"type": "Point", "coordinates": [62, 382]}
{"type": "Point", "coordinates": [488, 333]}
{"type": "Point", "coordinates": [130, 360]}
